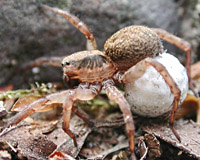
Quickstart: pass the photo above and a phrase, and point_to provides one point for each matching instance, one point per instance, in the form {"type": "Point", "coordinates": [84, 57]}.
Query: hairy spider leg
{"type": "Point", "coordinates": [115, 95]}
{"type": "Point", "coordinates": [67, 98]}
{"type": "Point", "coordinates": [27, 111]}
{"type": "Point", "coordinates": [139, 69]}
{"type": "Point", "coordinates": [76, 22]}
{"type": "Point", "coordinates": [80, 93]}
{"type": "Point", "coordinates": [82, 115]}
{"type": "Point", "coordinates": [95, 124]}
{"type": "Point", "coordinates": [37, 106]}
{"type": "Point", "coordinates": [42, 105]}
{"type": "Point", "coordinates": [56, 61]}
{"type": "Point", "coordinates": [51, 61]}
{"type": "Point", "coordinates": [180, 43]}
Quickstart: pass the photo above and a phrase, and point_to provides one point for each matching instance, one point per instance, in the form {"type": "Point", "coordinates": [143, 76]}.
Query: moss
{"type": "Point", "coordinates": [36, 89]}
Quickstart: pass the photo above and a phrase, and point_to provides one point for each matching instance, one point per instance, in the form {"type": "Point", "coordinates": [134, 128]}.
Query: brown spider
{"type": "Point", "coordinates": [126, 56]}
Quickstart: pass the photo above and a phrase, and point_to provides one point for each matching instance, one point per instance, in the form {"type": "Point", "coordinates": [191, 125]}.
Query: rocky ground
{"type": "Point", "coordinates": [27, 32]}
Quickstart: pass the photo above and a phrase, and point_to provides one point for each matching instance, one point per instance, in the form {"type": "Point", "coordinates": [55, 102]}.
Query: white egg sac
{"type": "Point", "coordinates": [150, 96]}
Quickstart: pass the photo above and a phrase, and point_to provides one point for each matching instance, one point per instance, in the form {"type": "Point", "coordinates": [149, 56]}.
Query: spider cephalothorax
{"type": "Point", "coordinates": [126, 56]}
{"type": "Point", "coordinates": [88, 66]}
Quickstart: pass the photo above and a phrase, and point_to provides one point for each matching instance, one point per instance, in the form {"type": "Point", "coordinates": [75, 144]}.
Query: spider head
{"type": "Point", "coordinates": [69, 65]}
{"type": "Point", "coordinates": [88, 66]}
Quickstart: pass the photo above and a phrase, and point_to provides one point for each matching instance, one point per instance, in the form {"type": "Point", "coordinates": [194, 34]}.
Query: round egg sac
{"type": "Point", "coordinates": [150, 95]}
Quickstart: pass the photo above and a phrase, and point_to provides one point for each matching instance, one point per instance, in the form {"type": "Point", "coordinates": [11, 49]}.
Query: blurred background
{"type": "Point", "coordinates": [27, 32]}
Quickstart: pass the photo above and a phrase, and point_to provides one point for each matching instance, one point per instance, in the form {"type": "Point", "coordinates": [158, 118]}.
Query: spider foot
{"type": "Point", "coordinates": [71, 134]}
{"type": "Point", "coordinates": [171, 125]}
{"type": "Point", "coordinates": [76, 136]}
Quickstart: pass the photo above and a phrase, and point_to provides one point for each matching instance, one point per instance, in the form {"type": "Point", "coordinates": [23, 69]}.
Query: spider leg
{"type": "Point", "coordinates": [51, 61]}
{"type": "Point", "coordinates": [95, 124]}
{"type": "Point", "coordinates": [139, 69]}
{"type": "Point", "coordinates": [67, 98]}
{"type": "Point", "coordinates": [82, 116]}
{"type": "Point", "coordinates": [115, 95]}
{"type": "Point", "coordinates": [76, 22]}
{"type": "Point", "coordinates": [36, 106]}
{"type": "Point", "coordinates": [29, 110]}
{"type": "Point", "coordinates": [80, 93]}
{"type": "Point", "coordinates": [180, 43]}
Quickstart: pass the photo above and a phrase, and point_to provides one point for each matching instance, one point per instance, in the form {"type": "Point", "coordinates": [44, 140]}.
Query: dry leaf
{"type": "Point", "coordinates": [121, 156]}
{"type": "Point", "coordinates": [64, 143]}
{"type": "Point", "coordinates": [29, 143]}
{"type": "Point", "coordinates": [195, 71]}
{"type": "Point", "coordinates": [8, 103]}
{"type": "Point", "coordinates": [43, 139]}
{"type": "Point", "coordinates": [142, 148]}
{"type": "Point", "coordinates": [188, 131]}
{"type": "Point", "coordinates": [5, 155]}
{"type": "Point", "coordinates": [23, 102]}
{"type": "Point", "coordinates": [190, 106]}
{"type": "Point", "coordinates": [3, 111]}
{"type": "Point", "coordinates": [60, 156]}
{"type": "Point", "coordinates": [149, 147]}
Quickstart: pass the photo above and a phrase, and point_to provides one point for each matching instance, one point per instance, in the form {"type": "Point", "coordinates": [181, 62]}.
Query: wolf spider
{"type": "Point", "coordinates": [126, 56]}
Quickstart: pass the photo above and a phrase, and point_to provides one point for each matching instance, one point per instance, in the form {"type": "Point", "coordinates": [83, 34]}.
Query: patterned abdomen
{"type": "Point", "coordinates": [132, 44]}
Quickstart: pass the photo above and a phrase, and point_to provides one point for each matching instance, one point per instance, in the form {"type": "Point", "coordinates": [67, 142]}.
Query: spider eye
{"type": "Point", "coordinates": [65, 63]}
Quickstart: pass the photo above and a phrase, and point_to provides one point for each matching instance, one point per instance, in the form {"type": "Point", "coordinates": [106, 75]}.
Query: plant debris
{"type": "Point", "coordinates": [60, 156]}
{"type": "Point", "coordinates": [103, 147]}
{"type": "Point", "coordinates": [195, 71]}
{"type": "Point", "coordinates": [3, 111]}
{"type": "Point", "coordinates": [190, 106]}
{"type": "Point", "coordinates": [149, 147]}
{"type": "Point", "coordinates": [39, 140]}
{"type": "Point", "coordinates": [36, 89]}
{"type": "Point", "coordinates": [189, 132]}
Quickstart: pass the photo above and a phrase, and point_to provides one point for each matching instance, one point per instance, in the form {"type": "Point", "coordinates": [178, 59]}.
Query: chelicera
{"type": "Point", "coordinates": [126, 56]}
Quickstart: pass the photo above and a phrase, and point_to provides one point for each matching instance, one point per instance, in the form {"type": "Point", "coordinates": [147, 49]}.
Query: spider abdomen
{"type": "Point", "coordinates": [131, 44]}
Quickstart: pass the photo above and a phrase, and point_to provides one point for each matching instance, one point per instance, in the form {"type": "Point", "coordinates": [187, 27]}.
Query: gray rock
{"type": "Point", "coordinates": [190, 27]}
{"type": "Point", "coordinates": [27, 32]}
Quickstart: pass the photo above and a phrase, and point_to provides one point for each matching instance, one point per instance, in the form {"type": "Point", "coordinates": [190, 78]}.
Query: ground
{"type": "Point", "coordinates": [28, 33]}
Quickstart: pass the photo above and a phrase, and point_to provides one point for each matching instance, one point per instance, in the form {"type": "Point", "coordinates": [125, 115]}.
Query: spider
{"type": "Point", "coordinates": [126, 56]}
